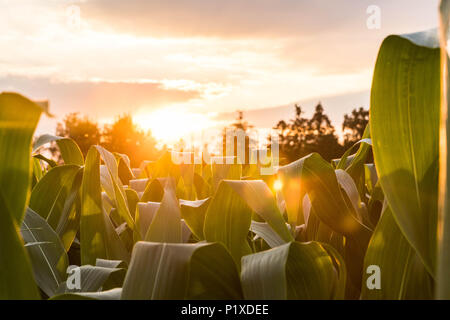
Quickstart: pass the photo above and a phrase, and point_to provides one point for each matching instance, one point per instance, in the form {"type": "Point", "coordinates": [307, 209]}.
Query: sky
{"type": "Point", "coordinates": [184, 66]}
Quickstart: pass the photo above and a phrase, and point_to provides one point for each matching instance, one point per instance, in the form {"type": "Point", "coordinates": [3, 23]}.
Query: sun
{"type": "Point", "coordinates": [169, 125]}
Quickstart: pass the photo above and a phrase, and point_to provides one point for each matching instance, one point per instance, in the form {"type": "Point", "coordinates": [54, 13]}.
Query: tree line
{"type": "Point", "coordinates": [122, 136]}
{"type": "Point", "coordinates": [298, 137]}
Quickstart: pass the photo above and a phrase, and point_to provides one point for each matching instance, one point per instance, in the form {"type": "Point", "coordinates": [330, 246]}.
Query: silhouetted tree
{"type": "Point", "coordinates": [81, 129]}
{"type": "Point", "coordinates": [292, 135]}
{"type": "Point", "coordinates": [354, 125]}
{"type": "Point", "coordinates": [301, 136]}
{"type": "Point", "coordinates": [123, 136]}
{"type": "Point", "coordinates": [321, 137]}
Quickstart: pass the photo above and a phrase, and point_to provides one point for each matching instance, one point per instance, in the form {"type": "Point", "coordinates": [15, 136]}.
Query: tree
{"type": "Point", "coordinates": [292, 135]}
{"type": "Point", "coordinates": [81, 129]}
{"type": "Point", "coordinates": [123, 136]}
{"type": "Point", "coordinates": [354, 125]}
{"type": "Point", "coordinates": [321, 137]}
{"type": "Point", "coordinates": [301, 136]}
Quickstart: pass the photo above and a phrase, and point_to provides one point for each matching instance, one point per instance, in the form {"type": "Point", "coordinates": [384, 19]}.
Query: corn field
{"type": "Point", "coordinates": [95, 228]}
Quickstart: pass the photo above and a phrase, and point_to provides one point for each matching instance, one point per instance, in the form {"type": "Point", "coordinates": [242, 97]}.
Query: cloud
{"type": "Point", "coordinates": [323, 35]}
{"type": "Point", "coordinates": [98, 99]}
{"type": "Point", "coordinates": [206, 55]}
{"type": "Point", "coordinates": [250, 18]}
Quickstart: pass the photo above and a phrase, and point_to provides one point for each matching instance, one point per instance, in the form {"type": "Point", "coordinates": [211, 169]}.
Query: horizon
{"type": "Point", "coordinates": [195, 64]}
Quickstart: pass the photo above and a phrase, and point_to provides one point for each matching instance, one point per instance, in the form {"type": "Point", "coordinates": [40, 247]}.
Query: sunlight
{"type": "Point", "coordinates": [278, 185]}
{"type": "Point", "coordinates": [169, 125]}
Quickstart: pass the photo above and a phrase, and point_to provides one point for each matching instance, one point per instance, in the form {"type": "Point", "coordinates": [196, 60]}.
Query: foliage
{"type": "Point", "coordinates": [80, 129]}
{"type": "Point", "coordinates": [354, 125]}
{"type": "Point", "coordinates": [184, 231]}
{"type": "Point", "coordinates": [122, 136]}
{"type": "Point", "coordinates": [125, 137]}
{"type": "Point", "coordinates": [302, 136]}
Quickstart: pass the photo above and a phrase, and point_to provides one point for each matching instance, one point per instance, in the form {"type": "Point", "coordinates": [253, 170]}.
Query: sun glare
{"type": "Point", "coordinates": [277, 185]}
{"type": "Point", "coordinates": [169, 125]}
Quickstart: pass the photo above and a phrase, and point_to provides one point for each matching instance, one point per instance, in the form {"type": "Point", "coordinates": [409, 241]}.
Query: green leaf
{"type": "Point", "coordinates": [202, 188]}
{"type": "Point", "coordinates": [38, 172]}
{"type": "Point", "coordinates": [291, 271]}
{"type": "Point", "coordinates": [69, 222]}
{"type": "Point", "coordinates": [70, 151]}
{"type": "Point", "coordinates": [92, 278]}
{"type": "Point", "coordinates": [144, 217]}
{"type": "Point", "coordinates": [229, 215]}
{"type": "Point", "coordinates": [404, 125]}
{"type": "Point", "coordinates": [16, 274]}
{"type": "Point", "coordinates": [348, 185]}
{"type": "Point", "coordinates": [132, 201]}
{"type": "Point", "coordinates": [265, 231]}
{"type": "Point", "coordinates": [154, 190]}
{"type": "Point", "coordinates": [113, 294]}
{"type": "Point", "coordinates": [139, 185]}
{"type": "Point", "coordinates": [166, 224]}
{"type": "Point", "coordinates": [117, 187]}
{"type": "Point", "coordinates": [356, 168]}
{"type": "Point", "coordinates": [316, 177]}
{"type": "Point", "coordinates": [49, 196]}
{"type": "Point", "coordinates": [194, 212]}
{"type": "Point", "coordinates": [185, 161]}
{"type": "Point", "coordinates": [221, 170]}
{"type": "Point", "coordinates": [50, 162]}
{"type": "Point", "coordinates": [197, 271]}
{"type": "Point", "coordinates": [124, 170]}
{"type": "Point", "coordinates": [49, 258]}
{"type": "Point", "coordinates": [55, 199]}
{"type": "Point", "coordinates": [403, 275]}
{"type": "Point", "coordinates": [98, 237]}
{"type": "Point", "coordinates": [260, 199]}
{"type": "Point", "coordinates": [18, 120]}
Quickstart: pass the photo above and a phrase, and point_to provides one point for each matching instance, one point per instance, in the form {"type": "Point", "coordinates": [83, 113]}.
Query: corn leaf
{"type": "Point", "coordinates": [166, 224]}
{"type": "Point", "coordinates": [16, 275]}
{"type": "Point", "coordinates": [291, 271]}
{"type": "Point", "coordinates": [404, 125]}
{"type": "Point", "coordinates": [316, 177]}
{"type": "Point", "coordinates": [98, 237]}
{"type": "Point", "coordinates": [265, 231]}
{"type": "Point", "coordinates": [113, 294]}
{"type": "Point", "coordinates": [144, 217]}
{"type": "Point", "coordinates": [18, 120]}
{"type": "Point", "coordinates": [49, 196]}
{"type": "Point", "coordinates": [69, 221]}
{"type": "Point", "coordinates": [229, 214]}
{"type": "Point", "coordinates": [92, 278]}
{"type": "Point", "coordinates": [118, 190]}
{"type": "Point", "coordinates": [194, 212]}
{"type": "Point", "coordinates": [402, 273]}
{"type": "Point", "coordinates": [197, 271]}
{"type": "Point", "coordinates": [48, 258]}
{"type": "Point", "coordinates": [70, 151]}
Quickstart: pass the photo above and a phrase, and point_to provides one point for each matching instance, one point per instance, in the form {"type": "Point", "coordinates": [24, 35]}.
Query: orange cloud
{"type": "Point", "coordinates": [99, 99]}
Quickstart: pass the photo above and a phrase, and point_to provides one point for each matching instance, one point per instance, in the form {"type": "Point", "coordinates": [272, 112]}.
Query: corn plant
{"type": "Point", "coordinates": [95, 228]}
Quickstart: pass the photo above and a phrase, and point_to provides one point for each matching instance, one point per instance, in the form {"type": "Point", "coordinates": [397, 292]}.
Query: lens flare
{"type": "Point", "coordinates": [277, 185]}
